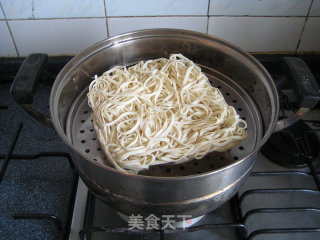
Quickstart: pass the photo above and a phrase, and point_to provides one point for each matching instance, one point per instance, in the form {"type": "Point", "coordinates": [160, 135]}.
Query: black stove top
{"type": "Point", "coordinates": [39, 184]}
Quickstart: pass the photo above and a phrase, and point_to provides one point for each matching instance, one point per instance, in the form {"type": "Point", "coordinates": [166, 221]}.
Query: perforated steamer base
{"type": "Point", "coordinates": [81, 132]}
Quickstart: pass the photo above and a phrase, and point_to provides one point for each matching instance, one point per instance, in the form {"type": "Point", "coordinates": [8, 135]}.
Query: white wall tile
{"type": "Point", "coordinates": [68, 9]}
{"type": "Point", "coordinates": [17, 9]}
{"type": "Point", "coordinates": [122, 25]}
{"type": "Point", "coordinates": [55, 37]}
{"type": "Point", "coordinates": [6, 44]}
{"type": "Point", "coordinates": [156, 7]}
{"type": "Point", "coordinates": [258, 34]}
{"type": "Point", "coordinates": [315, 8]}
{"type": "Point", "coordinates": [259, 7]}
{"type": "Point", "coordinates": [310, 40]}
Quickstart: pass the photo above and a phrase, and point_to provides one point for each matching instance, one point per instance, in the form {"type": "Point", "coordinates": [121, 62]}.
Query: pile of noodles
{"type": "Point", "coordinates": [161, 111]}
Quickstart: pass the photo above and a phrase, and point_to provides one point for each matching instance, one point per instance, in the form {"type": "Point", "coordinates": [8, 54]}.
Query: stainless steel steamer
{"type": "Point", "coordinates": [193, 188]}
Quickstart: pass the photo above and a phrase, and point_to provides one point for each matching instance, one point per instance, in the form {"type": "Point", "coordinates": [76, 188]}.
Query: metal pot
{"type": "Point", "coordinates": [194, 188]}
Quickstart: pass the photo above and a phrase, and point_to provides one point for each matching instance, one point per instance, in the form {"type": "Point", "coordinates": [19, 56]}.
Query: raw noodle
{"type": "Point", "coordinates": [161, 111]}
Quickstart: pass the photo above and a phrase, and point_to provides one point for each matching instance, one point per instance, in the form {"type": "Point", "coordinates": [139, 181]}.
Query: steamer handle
{"type": "Point", "coordinates": [26, 82]}
{"type": "Point", "coordinates": [304, 85]}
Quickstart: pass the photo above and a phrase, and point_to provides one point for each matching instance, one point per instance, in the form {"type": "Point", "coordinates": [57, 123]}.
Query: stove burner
{"type": "Point", "coordinates": [293, 146]}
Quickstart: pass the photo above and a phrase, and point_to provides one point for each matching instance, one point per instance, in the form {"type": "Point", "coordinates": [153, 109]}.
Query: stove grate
{"type": "Point", "coordinates": [241, 225]}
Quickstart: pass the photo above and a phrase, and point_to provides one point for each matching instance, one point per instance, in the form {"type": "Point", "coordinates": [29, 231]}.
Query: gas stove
{"type": "Point", "coordinates": [41, 196]}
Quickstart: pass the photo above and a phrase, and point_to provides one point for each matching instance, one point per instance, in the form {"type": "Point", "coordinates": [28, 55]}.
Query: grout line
{"type": "Point", "coordinates": [70, 18]}
{"type": "Point", "coordinates": [258, 16]}
{"type": "Point", "coordinates": [107, 25]}
{"type": "Point", "coordinates": [303, 27]}
{"type": "Point", "coordinates": [105, 14]}
{"type": "Point", "coordinates": [146, 16]}
{"type": "Point", "coordinates": [62, 18]}
{"type": "Point", "coordinates": [9, 29]}
{"type": "Point", "coordinates": [32, 2]}
{"type": "Point", "coordinates": [208, 16]}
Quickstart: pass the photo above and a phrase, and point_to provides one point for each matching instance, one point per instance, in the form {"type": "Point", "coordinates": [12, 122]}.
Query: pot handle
{"type": "Point", "coordinates": [26, 82]}
{"type": "Point", "coordinates": [305, 86]}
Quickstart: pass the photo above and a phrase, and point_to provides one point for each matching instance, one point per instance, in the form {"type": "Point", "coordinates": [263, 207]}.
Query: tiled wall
{"type": "Point", "coordinates": [66, 27]}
